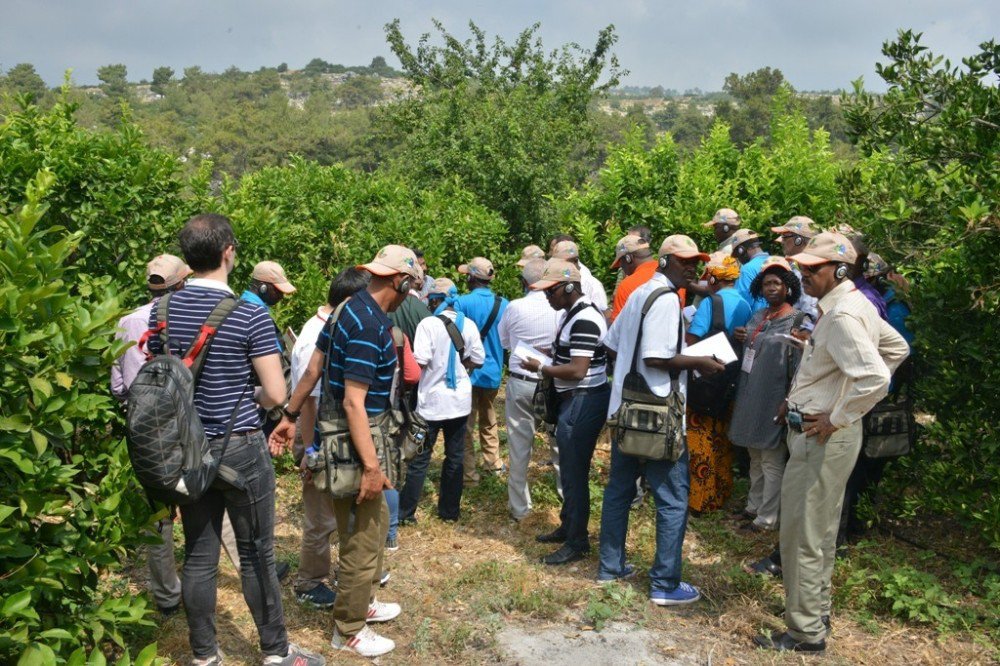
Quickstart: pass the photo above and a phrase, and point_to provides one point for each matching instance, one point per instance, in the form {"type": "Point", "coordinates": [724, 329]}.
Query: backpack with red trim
{"type": "Point", "coordinates": [166, 439]}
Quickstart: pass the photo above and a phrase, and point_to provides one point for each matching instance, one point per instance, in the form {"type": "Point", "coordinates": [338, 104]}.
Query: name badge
{"type": "Point", "coordinates": [748, 357]}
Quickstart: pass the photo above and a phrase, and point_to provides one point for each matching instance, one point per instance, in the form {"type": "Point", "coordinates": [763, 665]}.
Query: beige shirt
{"type": "Point", "coordinates": [847, 363]}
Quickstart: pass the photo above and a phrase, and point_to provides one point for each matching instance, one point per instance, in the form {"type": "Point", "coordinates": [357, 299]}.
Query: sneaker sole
{"type": "Point", "coordinates": [674, 602]}
{"type": "Point", "coordinates": [385, 618]}
{"type": "Point", "coordinates": [370, 654]}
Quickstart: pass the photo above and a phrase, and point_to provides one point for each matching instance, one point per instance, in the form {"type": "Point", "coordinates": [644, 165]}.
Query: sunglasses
{"type": "Point", "coordinates": [814, 269]}
{"type": "Point", "coordinates": [551, 291]}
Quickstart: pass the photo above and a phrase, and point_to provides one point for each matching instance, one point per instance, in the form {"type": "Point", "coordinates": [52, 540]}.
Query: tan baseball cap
{"type": "Point", "coordinates": [556, 271]}
{"type": "Point", "coordinates": [800, 225]}
{"type": "Point", "coordinates": [532, 271]}
{"type": "Point", "coordinates": [716, 259]}
{"type": "Point", "coordinates": [529, 253]}
{"type": "Point", "coordinates": [875, 265]}
{"type": "Point", "coordinates": [826, 247]}
{"type": "Point", "coordinates": [169, 269]}
{"type": "Point", "coordinates": [565, 250]}
{"type": "Point", "coordinates": [743, 236]}
{"type": "Point", "coordinates": [627, 245]}
{"type": "Point", "coordinates": [442, 285]}
{"type": "Point", "coordinates": [392, 260]}
{"type": "Point", "coordinates": [773, 261]}
{"type": "Point", "coordinates": [480, 268]}
{"type": "Point", "coordinates": [681, 246]}
{"type": "Point", "coordinates": [724, 216]}
{"type": "Point", "coordinates": [846, 230]}
{"type": "Point", "coordinates": [271, 272]}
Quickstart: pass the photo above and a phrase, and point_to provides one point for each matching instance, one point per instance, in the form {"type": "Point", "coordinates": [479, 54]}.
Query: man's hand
{"type": "Point", "coordinates": [373, 482]}
{"type": "Point", "coordinates": [707, 365]}
{"type": "Point", "coordinates": [740, 333]}
{"type": "Point", "coordinates": [818, 426]}
{"type": "Point", "coordinates": [782, 411]}
{"type": "Point", "coordinates": [281, 437]}
{"type": "Point", "coordinates": [531, 364]}
{"type": "Point", "coordinates": [304, 472]}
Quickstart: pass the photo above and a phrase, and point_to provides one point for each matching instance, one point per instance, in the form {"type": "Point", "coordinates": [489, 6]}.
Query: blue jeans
{"type": "Point", "coordinates": [252, 514]}
{"type": "Point", "coordinates": [669, 484]}
{"type": "Point", "coordinates": [392, 501]}
{"type": "Point", "coordinates": [581, 417]}
{"type": "Point", "coordinates": [450, 497]}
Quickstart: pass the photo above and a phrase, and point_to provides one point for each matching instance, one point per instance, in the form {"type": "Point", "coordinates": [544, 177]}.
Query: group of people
{"type": "Point", "coordinates": [815, 357]}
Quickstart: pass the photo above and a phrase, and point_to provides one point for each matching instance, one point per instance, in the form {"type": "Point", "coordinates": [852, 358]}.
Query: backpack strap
{"type": "Point", "coordinates": [718, 315]}
{"type": "Point", "coordinates": [454, 334]}
{"type": "Point", "coordinates": [492, 318]}
{"type": "Point", "coordinates": [194, 359]}
{"type": "Point", "coordinates": [330, 324]}
{"type": "Point", "coordinates": [162, 306]}
{"type": "Point", "coordinates": [646, 307]}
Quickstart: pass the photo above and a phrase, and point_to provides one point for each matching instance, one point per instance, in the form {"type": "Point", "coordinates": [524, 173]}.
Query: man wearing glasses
{"type": "Point", "coordinates": [844, 372]}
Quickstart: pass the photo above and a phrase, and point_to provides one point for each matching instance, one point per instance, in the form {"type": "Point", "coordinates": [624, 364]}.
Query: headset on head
{"type": "Point", "coordinates": [262, 289]}
{"type": "Point", "coordinates": [627, 258]}
{"type": "Point", "coordinates": [741, 252]}
{"type": "Point", "coordinates": [841, 271]}
{"type": "Point", "coordinates": [569, 288]}
{"type": "Point", "coordinates": [712, 279]}
{"type": "Point", "coordinates": [404, 286]}
{"type": "Point", "coordinates": [663, 261]}
{"type": "Point", "coordinates": [725, 227]}
{"type": "Point", "coordinates": [799, 240]}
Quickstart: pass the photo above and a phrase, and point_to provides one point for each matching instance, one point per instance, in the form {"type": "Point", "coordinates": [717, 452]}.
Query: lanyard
{"type": "Point", "coordinates": [785, 307]}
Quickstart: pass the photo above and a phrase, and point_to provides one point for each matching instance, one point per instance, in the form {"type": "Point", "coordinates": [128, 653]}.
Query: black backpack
{"type": "Point", "coordinates": [711, 395]}
{"type": "Point", "coordinates": [166, 439]}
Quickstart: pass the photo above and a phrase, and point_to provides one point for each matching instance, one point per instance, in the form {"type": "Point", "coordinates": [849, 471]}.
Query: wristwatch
{"type": "Point", "coordinates": [289, 413]}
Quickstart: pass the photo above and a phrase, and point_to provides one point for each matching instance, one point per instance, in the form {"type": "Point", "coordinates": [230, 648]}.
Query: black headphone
{"type": "Point", "coordinates": [740, 251]}
{"type": "Point", "coordinates": [841, 271]}
{"type": "Point", "coordinates": [627, 258]}
{"type": "Point", "coordinates": [799, 240]}
{"type": "Point", "coordinates": [262, 288]}
{"type": "Point", "coordinates": [663, 262]}
{"type": "Point", "coordinates": [569, 288]}
{"type": "Point", "coordinates": [404, 286]}
{"type": "Point", "coordinates": [725, 227]}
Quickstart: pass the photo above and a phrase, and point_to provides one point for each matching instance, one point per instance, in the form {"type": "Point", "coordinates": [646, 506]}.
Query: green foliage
{"type": "Point", "coordinates": [608, 602]}
{"type": "Point", "coordinates": [161, 77]}
{"type": "Point", "coordinates": [22, 79]}
{"type": "Point", "coordinates": [114, 80]}
{"type": "Point", "coordinates": [509, 121]}
{"type": "Point", "coordinates": [68, 507]}
{"type": "Point", "coordinates": [929, 192]}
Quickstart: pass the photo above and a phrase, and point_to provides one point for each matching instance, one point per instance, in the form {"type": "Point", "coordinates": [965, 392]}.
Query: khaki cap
{"type": "Point", "coordinates": [442, 286]}
{"type": "Point", "coordinates": [556, 271]}
{"type": "Point", "coordinates": [773, 261]}
{"type": "Point", "coordinates": [800, 225]}
{"type": "Point", "coordinates": [480, 268]}
{"type": "Point", "coordinates": [271, 272]}
{"type": "Point", "coordinates": [168, 268]}
{"type": "Point", "coordinates": [716, 259]}
{"type": "Point", "coordinates": [875, 265]}
{"type": "Point", "coordinates": [532, 271]}
{"type": "Point", "coordinates": [565, 250]}
{"type": "Point", "coordinates": [743, 236]}
{"type": "Point", "coordinates": [627, 245]}
{"type": "Point", "coordinates": [529, 253]}
{"type": "Point", "coordinates": [826, 247]}
{"type": "Point", "coordinates": [846, 230]}
{"type": "Point", "coordinates": [392, 260]}
{"type": "Point", "coordinates": [682, 246]}
{"type": "Point", "coordinates": [724, 216]}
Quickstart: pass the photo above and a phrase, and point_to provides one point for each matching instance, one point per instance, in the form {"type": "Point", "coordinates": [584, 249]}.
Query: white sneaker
{"type": "Point", "coordinates": [382, 612]}
{"type": "Point", "coordinates": [366, 643]}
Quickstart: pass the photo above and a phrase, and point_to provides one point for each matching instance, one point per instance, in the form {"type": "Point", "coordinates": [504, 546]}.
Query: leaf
{"type": "Point", "coordinates": [146, 656]}
{"type": "Point", "coordinates": [6, 511]}
{"type": "Point", "coordinates": [40, 441]}
{"type": "Point", "coordinates": [64, 380]}
{"type": "Point", "coordinates": [37, 654]}
{"type": "Point", "coordinates": [16, 602]}
{"type": "Point", "coordinates": [40, 386]}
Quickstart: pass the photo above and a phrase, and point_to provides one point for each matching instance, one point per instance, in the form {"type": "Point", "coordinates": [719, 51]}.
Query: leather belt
{"type": "Point", "coordinates": [526, 378]}
{"type": "Point", "coordinates": [246, 434]}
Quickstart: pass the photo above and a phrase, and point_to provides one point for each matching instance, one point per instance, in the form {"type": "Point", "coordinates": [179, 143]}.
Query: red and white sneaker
{"type": "Point", "coordinates": [382, 612]}
{"type": "Point", "coordinates": [365, 643]}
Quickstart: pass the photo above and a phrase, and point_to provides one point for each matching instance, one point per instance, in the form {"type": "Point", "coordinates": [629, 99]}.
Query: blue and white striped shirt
{"type": "Point", "coordinates": [248, 333]}
{"type": "Point", "coordinates": [359, 347]}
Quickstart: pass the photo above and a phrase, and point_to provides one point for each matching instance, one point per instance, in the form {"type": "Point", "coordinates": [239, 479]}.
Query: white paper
{"type": "Point", "coordinates": [524, 352]}
{"type": "Point", "coordinates": [716, 345]}
{"type": "Point", "coordinates": [689, 313]}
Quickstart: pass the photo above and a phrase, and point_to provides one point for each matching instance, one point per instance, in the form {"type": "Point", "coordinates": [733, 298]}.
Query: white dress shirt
{"type": "Point", "coordinates": [592, 288]}
{"type": "Point", "coordinates": [529, 320]}
{"type": "Point", "coordinates": [432, 346]}
{"type": "Point", "coordinates": [304, 347]}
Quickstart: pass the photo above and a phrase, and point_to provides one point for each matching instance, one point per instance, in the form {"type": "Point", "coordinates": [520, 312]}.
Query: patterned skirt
{"type": "Point", "coordinates": [711, 462]}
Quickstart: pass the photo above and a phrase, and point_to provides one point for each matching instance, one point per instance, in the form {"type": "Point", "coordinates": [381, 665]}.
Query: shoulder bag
{"type": "Point", "coordinates": [710, 395]}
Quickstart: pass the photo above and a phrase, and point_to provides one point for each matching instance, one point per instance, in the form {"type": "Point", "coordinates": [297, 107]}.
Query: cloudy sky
{"type": "Point", "coordinates": [674, 43]}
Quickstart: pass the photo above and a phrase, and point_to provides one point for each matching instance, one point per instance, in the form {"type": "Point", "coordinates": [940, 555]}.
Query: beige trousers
{"type": "Point", "coordinates": [489, 434]}
{"type": "Point", "coordinates": [363, 528]}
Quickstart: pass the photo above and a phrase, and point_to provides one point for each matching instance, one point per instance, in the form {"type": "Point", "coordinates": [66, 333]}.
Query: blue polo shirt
{"type": "Point", "coordinates": [735, 309]}
{"type": "Point", "coordinates": [360, 348]}
{"type": "Point", "coordinates": [477, 305]}
{"type": "Point", "coordinates": [748, 272]}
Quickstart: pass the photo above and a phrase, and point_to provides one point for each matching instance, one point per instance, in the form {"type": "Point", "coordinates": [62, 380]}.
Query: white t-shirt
{"type": "Point", "coordinates": [659, 339]}
{"type": "Point", "coordinates": [582, 335]}
{"type": "Point", "coordinates": [593, 289]}
{"type": "Point", "coordinates": [529, 320]}
{"type": "Point", "coordinates": [304, 347]}
{"type": "Point", "coordinates": [432, 347]}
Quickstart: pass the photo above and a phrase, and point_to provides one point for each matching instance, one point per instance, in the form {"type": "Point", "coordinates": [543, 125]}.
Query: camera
{"type": "Point", "coordinates": [794, 419]}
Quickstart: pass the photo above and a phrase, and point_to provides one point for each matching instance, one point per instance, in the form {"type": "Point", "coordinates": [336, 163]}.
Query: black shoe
{"type": "Point", "coordinates": [826, 623]}
{"type": "Point", "coordinates": [784, 643]}
{"type": "Point", "coordinates": [564, 555]}
{"type": "Point", "coordinates": [556, 536]}
{"type": "Point", "coordinates": [764, 566]}
{"type": "Point", "coordinates": [282, 569]}
{"type": "Point", "coordinates": [170, 611]}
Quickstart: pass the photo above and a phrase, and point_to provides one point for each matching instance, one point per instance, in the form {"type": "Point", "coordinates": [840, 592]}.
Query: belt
{"type": "Point", "coordinates": [246, 434]}
{"type": "Point", "coordinates": [525, 378]}
{"type": "Point", "coordinates": [566, 395]}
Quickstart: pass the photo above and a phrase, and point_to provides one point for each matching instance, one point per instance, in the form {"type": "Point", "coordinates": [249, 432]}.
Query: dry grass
{"type": "Point", "coordinates": [459, 584]}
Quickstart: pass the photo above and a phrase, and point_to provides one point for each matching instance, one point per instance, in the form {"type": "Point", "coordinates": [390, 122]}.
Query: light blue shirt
{"type": "Point", "coordinates": [253, 297]}
{"type": "Point", "coordinates": [737, 313]}
{"type": "Point", "coordinates": [477, 305]}
{"type": "Point", "coordinates": [748, 272]}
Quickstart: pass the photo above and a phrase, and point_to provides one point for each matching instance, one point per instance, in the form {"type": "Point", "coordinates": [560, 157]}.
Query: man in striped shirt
{"type": "Point", "coordinates": [580, 375]}
{"type": "Point", "coordinates": [244, 344]}
{"type": "Point", "coordinates": [360, 359]}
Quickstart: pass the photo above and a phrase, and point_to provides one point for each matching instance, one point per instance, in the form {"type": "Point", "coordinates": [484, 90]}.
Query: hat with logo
{"type": "Point", "coordinates": [772, 262]}
{"type": "Point", "coordinates": [271, 272]}
{"type": "Point", "coordinates": [724, 216]}
{"type": "Point", "coordinates": [681, 246]}
{"type": "Point", "coordinates": [169, 269]}
{"type": "Point", "coordinates": [846, 230]}
{"type": "Point", "coordinates": [442, 286]}
{"type": "Point", "coordinates": [529, 253]}
{"type": "Point", "coordinates": [480, 268]}
{"type": "Point", "coordinates": [826, 247]}
{"type": "Point", "coordinates": [556, 271]}
{"type": "Point", "coordinates": [392, 260]}
{"type": "Point", "coordinates": [800, 225]}
{"type": "Point", "coordinates": [627, 245]}
{"type": "Point", "coordinates": [744, 236]}
{"type": "Point", "coordinates": [532, 271]}
{"type": "Point", "coordinates": [565, 250]}
{"type": "Point", "coordinates": [875, 265]}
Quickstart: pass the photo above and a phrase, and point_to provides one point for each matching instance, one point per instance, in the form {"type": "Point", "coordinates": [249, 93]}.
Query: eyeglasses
{"type": "Point", "coordinates": [551, 291]}
{"type": "Point", "coordinates": [816, 268]}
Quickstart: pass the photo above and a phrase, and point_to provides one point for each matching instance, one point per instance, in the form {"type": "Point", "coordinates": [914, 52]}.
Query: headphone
{"type": "Point", "coordinates": [627, 258]}
{"type": "Point", "coordinates": [841, 271]}
{"type": "Point", "coordinates": [725, 228]}
{"type": "Point", "coordinates": [712, 279]}
{"type": "Point", "coordinates": [404, 286]}
{"type": "Point", "coordinates": [569, 288]}
{"type": "Point", "coordinates": [799, 240]}
{"type": "Point", "coordinates": [262, 288]}
{"type": "Point", "coordinates": [741, 252]}
{"type": "Point", "coordinates": [662, 262]}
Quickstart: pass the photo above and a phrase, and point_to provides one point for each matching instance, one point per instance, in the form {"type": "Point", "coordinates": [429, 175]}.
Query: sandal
{"type": "Point", "coordinates": [764, 566]}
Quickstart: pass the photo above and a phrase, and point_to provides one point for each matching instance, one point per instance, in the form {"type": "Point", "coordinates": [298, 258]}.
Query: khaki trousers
{"type": "Point", "coordinates": [812, 492]}
{"type": "Point", "coordinates": [363, 528]}
{"type": "Point", "coordinates": [489, 434]}
{"type": "Point", "coordinates": [318, 525]}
